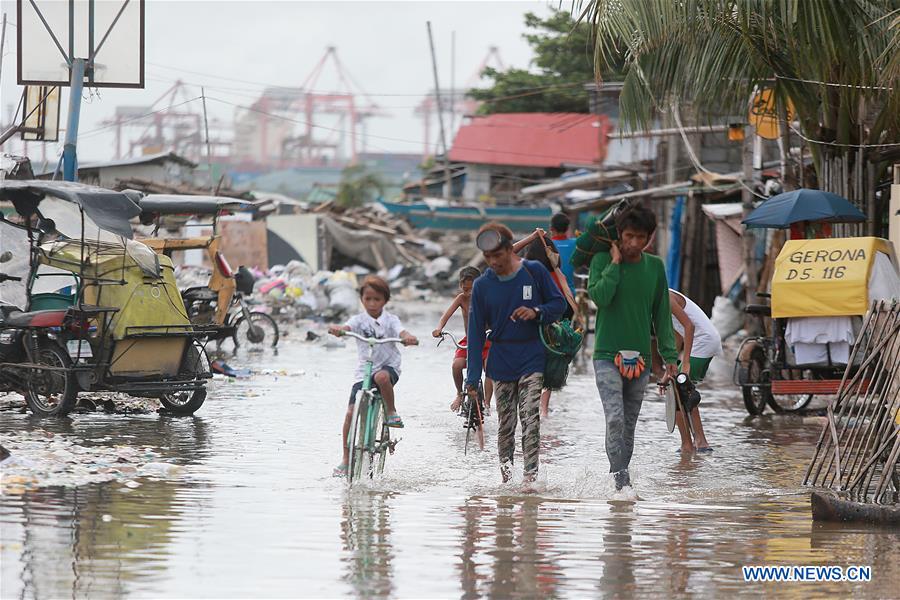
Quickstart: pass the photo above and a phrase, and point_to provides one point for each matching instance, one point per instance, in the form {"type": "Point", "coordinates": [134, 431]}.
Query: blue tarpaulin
{"type": "Point", "coordinates": [673, 259]}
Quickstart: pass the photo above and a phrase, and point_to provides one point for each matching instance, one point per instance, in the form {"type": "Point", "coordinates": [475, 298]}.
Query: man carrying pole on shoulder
{"type": "Point", "coordinates": [630, 290]}
{"type": "Point", "coordinates": [512, 298]}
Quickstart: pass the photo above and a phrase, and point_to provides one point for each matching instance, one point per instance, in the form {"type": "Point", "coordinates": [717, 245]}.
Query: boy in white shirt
{"type": "Point", "coordinates": [374, 322]}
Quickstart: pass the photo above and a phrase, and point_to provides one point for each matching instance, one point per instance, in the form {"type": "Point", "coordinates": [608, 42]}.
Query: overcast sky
{"type": "Point", "coordinates": [239, 46]}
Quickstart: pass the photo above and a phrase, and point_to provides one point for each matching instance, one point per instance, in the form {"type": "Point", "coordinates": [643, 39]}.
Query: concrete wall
{"type": "Point", "coordinates": [478, 182]}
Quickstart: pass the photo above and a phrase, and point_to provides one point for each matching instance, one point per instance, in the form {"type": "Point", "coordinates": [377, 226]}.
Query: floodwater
{"type": "Point", "coordinates": [253, 511]}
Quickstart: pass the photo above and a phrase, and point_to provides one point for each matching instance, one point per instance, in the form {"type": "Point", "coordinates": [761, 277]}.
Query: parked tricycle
{"type": "Point", "coordinates": [83, 307]}
{"type": "Point", "coordinates": [218, 309]}
{"type": "Point", "coordinates": [821, 289]}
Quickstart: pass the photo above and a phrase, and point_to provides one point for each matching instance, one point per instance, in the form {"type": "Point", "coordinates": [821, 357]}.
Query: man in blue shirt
{"type": "Point", "coordinates": [565, 245]}
{"type": "Point", "coordinates": [512, 298]}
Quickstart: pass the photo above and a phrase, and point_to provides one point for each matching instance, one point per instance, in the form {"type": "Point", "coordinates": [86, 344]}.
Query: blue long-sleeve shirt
{"type": "Point", "coordinates": [516, 348]}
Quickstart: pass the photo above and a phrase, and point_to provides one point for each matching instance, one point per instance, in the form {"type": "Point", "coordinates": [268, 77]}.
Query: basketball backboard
{"type": "Point", "coordinates": [108, 34]}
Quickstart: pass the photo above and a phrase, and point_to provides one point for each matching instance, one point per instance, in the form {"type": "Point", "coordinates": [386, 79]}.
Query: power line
{"type": "Point", "coordinates": [824, 143]}
{"type": "Point", "coordinates": [138, 118]}
{"type": "Point", "coordinates": [832, 84]}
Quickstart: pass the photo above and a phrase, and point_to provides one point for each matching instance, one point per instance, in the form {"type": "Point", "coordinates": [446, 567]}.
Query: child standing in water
{"type": "Point", "coordinates": [374, 322]}
{"type": "Point", "coordinates": [467, 277]}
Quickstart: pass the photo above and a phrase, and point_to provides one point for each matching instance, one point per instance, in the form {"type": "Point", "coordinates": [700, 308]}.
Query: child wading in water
{"type": "Point", "coordinates": [374, 322]}
{"type": "Point", "coordinates": [467, 277]}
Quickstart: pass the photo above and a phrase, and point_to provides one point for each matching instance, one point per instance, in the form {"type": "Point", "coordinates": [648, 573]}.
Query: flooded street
{"type": "Point", "coordinates": [252, 509]}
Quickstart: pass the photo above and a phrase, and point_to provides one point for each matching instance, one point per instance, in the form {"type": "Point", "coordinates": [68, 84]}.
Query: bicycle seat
{"type": "Point", "coordinates": [36, 318]}
{"type": "Point", "coordinates": [758, 309]}
{"type": "Point", "coordinates": [199, 294]}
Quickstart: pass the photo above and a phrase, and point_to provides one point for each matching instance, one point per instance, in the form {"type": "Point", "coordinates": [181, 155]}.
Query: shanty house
{"type": "Point", "coordinates": [503, 153]}
{"type": "Point", "coordinates": [165, 168]}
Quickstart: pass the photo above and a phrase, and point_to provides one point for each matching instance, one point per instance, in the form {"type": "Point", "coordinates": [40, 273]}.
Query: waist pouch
{"type": "Point", "coordinates": [630, 363]}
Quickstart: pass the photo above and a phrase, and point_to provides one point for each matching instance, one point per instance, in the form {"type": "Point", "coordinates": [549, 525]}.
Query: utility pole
{"type": "Point", "coordinates": [212, 189]}
{"type": "Point", "coordinates": [448, 190]}
{"type": "Point", "coordinates": [452, 82]}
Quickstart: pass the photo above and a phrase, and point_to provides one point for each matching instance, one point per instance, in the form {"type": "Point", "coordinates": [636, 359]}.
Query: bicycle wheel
{"type": "Point", "coordinates": [383, 443]}
{"type": "Point", "coordinates": [354, 462]}
{"type": "Point", "coordinates": [756, 387]}
{"type": "Point", "coordinates": [258, 331]}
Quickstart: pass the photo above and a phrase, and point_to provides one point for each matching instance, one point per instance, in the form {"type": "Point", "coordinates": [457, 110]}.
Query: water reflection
{"type": "Point", "coordinates": [366, 540]}
{"type": "Point", "coordinates": [105, 539]}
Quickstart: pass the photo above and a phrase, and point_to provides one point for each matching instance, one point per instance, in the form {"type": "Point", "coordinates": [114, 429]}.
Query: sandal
{"type": "Point", "coordinates": [393, 420]}
{"type": "Point", "coordinates": [340, 470]}
{"type": "Point", "coordinates": [705, 449]}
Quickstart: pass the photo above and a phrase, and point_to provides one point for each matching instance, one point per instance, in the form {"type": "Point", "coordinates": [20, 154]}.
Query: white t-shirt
{"type": "Point", "coordinates": [385, 355]}
{"type": "Point", "coordinates": [707, 341]}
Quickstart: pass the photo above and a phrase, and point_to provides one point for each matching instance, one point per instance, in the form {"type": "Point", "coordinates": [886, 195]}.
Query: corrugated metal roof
{"type": "Point", "coordinates": [532, 139]}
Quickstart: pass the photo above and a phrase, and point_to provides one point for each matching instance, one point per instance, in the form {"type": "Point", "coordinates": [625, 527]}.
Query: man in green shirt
{"type": "Point", "coordinates": [630, 290]}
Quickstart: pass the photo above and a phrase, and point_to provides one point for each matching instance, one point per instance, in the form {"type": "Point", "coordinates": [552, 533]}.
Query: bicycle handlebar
{"type": "Point", "coordinates": [372, 341]}
{"type": "Point", "coordinates": [452, 339]}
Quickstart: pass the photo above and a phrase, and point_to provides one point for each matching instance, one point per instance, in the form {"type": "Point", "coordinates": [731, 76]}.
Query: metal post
{"type": "Point", "coordinates": [448, 185]}
{"type": "Point", "coordinates": [76, 84]}
{"type": "Point", "coordinates": [2, 46]}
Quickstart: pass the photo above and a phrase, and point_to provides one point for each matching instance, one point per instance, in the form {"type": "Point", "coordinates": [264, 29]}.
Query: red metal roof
{"type": "Point", "coordinates": [532, 139]}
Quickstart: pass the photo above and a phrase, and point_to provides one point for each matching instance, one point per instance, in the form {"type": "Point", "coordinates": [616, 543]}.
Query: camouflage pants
{"type": "Point", "coordinates": [519, 398]}
{"type": "Point", "coordinates": [621, 399]}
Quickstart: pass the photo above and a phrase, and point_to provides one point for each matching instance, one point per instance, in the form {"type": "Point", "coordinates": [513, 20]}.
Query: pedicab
{"type": "Point", "coordinates": [96, 310]}
{"type": "Point", "coordinates": [218, 309]}
{"type": "Point", "coordinates": [820, 291]}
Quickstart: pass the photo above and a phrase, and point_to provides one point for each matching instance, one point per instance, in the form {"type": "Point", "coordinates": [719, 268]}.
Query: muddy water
{"type": "Point", "coordinates": [254, 512]}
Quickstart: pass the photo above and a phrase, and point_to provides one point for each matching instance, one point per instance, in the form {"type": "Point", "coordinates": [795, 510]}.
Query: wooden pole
{"type": "Point", "coordinates": [748, 239]}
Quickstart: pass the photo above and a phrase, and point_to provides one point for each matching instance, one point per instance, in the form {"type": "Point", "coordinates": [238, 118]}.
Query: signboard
{"type": "Point", "coordinates": [764, 114]}
{"type": "Point", "coordinates": [244, 243]}
{"type": "Point", "coordinates": [825, 278]}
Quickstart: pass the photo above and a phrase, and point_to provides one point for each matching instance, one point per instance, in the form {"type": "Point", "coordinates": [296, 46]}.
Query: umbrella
{"type": "Point", "coordinates": [778, 212]}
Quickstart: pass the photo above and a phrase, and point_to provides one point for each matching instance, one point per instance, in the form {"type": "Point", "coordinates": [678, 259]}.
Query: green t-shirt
{"type": "Point", "coordinates": [629, 298]}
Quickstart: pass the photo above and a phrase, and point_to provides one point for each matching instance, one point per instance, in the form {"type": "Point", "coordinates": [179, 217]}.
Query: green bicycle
{"type": "Point", "coordinates": [369, 440]}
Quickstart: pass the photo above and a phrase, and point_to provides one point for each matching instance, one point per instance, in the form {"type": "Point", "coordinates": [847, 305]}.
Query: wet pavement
{"type": "Point", "coordinates": [238, 501]}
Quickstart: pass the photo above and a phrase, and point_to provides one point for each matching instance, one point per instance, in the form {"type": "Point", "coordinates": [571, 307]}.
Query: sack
{"type": "Point", "coordinates": [561, 342]}
{"type": "Point", "coordinates": [599, 234]}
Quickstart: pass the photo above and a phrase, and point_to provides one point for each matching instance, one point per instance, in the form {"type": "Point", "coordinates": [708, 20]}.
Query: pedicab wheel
{"type": "Point", "coordinates": [259, 330]}
{"type": "Point", "coordinates": [51, 392]}
{"type": "Point", "coordinates": [184, 403]}
{"type": "Point", "coordinates": [755, 388]}
{"type": "Point", "coordinates": [787, 403]}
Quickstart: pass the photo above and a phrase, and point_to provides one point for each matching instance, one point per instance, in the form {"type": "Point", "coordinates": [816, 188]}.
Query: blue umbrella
{"type": "Point", "coordinates": [778, 212]}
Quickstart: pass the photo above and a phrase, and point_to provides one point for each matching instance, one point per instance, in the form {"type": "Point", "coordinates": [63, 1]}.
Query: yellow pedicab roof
{"type": "Point", "coordinates": [825, 277]}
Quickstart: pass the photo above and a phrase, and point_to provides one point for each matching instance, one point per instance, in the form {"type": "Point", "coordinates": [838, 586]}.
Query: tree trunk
{"type": "Point", "coordinates": [749, 239]}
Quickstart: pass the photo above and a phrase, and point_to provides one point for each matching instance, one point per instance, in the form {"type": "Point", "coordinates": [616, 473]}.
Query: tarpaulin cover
{"type": "Point", "coordinates": [109, 210]}
{"type": "Point", "coordinates": [178, 204]}
{"type": "Point", "coordinates": [825, 277]}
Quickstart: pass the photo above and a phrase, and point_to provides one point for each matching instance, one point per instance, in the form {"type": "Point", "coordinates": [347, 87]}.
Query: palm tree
{"type": "Point", "coordinates": [358, 186]}
{"type": "Point", "coordinates": [835, 61]}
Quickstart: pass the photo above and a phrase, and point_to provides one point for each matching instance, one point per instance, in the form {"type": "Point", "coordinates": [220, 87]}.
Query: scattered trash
{"type": "Point", "coordinates": [222, 368]}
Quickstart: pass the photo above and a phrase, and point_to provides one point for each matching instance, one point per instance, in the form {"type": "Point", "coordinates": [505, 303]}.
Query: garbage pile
{"type": "Point", "coordinates": [42, 458]}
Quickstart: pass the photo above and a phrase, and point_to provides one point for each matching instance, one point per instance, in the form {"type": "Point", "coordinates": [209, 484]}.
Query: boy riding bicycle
{"type": "Point", "coordinates": [374, 322]}
{"type": "Point", "coordinates": [467, 277]}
